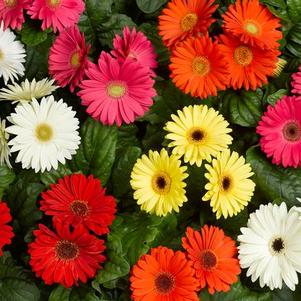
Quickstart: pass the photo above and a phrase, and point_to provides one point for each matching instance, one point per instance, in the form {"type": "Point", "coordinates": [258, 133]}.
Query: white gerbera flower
{"type": "Point", "coordinates": [27, 91]}
{"type": "Point", "coordinates": [12, 55]}
{"type": "Point", "coordinates": [270, 247]}
{"type": "Point", "coordinates": [298, 209]}
{"type": "Point", "coordinates": [46, 133]}
{"type": "Point", "coordinates": [4, 149]}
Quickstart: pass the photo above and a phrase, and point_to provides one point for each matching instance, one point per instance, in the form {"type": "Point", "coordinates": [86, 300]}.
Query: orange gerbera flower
{"type": "Point", "coordinates": [214, 257]}
{"type": "Point", "coordinates": [183, 18]}
{"type": "Point", "coordinates": [198, 67]}
{"type": "Point", "coordinates": [249, 66]}
{"type": "Point", "coordinates": [163, 275]}
{"type": "Point", "coordinates": [253, 23]}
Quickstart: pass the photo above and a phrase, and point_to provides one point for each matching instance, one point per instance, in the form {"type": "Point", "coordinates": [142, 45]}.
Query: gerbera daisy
{"type": "Point", "coordinates": [68, 58]}
{"type": "Point", "coordinates": [58, 14]}
{"type": "Point", "coordinates": [6, 231]}
{"type": "Point", "coordinates": [198, 67]}
{"type": "Point", "coordinates": [12, 55]}
{"type": "Point", "coordinates": [46, 133]}
{"type": "Point", "coordinates": [184, 18]}
{"type": "Point", "coordinates": [117, 92]}
{"type": "Point", "coordinates": [12, 12]}
{"type": "Point", "coordinates": [197, 133]}
{"type": "Point", "coordinates": [249, 66]}
{"type": "Point", "coordinates": [280, 128]}
{"type": "Point", "coordinates": [229, 187]}
{"type": "Point", "coordinates": [214, 257]}
{"type": "Point", "coordinates": [135, 45]}
{"type": "Point", "coordinates": [158, 181]}
{"type": "Point", "coordinates": [163, 275]}
{"type": "Point", "coordinates": [296, 82]}
{"type": "Point", "coordinates": [4, 149]}
{"type": "Point", "coordinates": [270, 246]}
{"type": "Point", "coordinates": [65, 257]}
{"type": "Point", "coordinates": [27, 91]}
{"type": "Point", "coordinates": [78, 199]}
{"type": "Point", "coordinates": [253, 24]}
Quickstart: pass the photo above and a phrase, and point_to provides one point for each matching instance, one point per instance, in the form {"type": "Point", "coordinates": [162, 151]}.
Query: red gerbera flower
{"type": "Point", "coordinates": [214, 257]}
{"type": "Point", "coordinates": [12, 12]}
{"type": "Point", "coordinates": [6, 231]}
{"type": "Point", "coordinates": [164, 275]}
{"type": "Point", "coordinates": [78, 199]}
{"type": "Point", "coordinates": [68, 58]}
{"type": "Point", "coordinates": [65, 257]}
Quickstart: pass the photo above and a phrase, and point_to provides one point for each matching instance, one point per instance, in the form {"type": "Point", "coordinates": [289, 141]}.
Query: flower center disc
{"type": "Point", "coordinates": [161, 183]}
{"type": "Point", "coordinates": [243, 55]}
{"type": "Point", "coordinates": [277, 245]}
{"type": "Point", "coordinates": [165, 283]}
{"type": "Point", "coordinates": [75, 59]}
{"type": "Point", "coordinates": [54, 3]}
{"type": "Point", "coordinates": [292, 132]}
{"type": "Point", "coordinates": [226, 183]}
{"type": "Point", "coordinates": [44, 132]}
{"type": "Point", "coordinates": [208, 260]}
{"type": "Point", "coordinates": [189, 21]}
{"type": "Point", "coordinates": [10, 3]}
{"type": "Point", "coordinates": [195, 136]}
{"type": "Point", "coordinates": [252, 28]}
{"type": "Point", "coordinates": [79, 208]}
{"type": "Point", "coordinates": [116, 90]}
{"type": "Point", "coordinates": [66, 250]}
{"type": "Point", "coordinates": [201, 66]}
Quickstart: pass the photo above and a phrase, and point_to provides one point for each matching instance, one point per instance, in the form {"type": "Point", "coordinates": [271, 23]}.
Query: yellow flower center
{"type": "Point", "coordinates": [54, 3]}
{"type": "Point", "coordinates": [75, 57]}
{"type": "Point", "coordinates": [161, 183]}
{"type": "Point", "coordinates": [243, 55]}
{"type": "Point", "coordinates": [201, 66]}
{"type": "Point", "coordinates": [292, 131]}
{"type": "Point", "coordinates": [10, 3]}
{"type": "Point", "coordinates": [226, 183]}
{"type": "Point", "coordinates": [252, 27]}
{"type": "Point", "coordinates": [189, 21]}
{"type": "Point", "coordinates": [116, 90]}
{"type": "Point", "coordinates": [195, 136]}
{"type": "Point", "coordinates": [44, 132]}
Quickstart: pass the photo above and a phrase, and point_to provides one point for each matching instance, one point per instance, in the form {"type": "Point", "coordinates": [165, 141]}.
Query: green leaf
{"type": "Point", "coordinates": [7, 176]}
{"type": "Point", "coordinates": [237, 293]}
{"type": "Point", "coordinates": [15, 284]}
{"type": "Point", "coordinates": [274, 182]}
{"type": "Point", "coordinates": [96, 153]}
{"type": "Point", "coordinates": [32, 36]}
{"type": "Point", "coordinates": [244, 109]}
{"type": "Point", "coordinates": [150, 6]}
{"type": "Point", "coordinates": [294, 40]}
{"type": "Point", "coordinates": [294, 10]}
{"type": "Point", "coordinates": [127, 136]}
{"type": "Point", "coordinates": [52, 176]}
{"type": "Point", "coordinates": [272, 98]}
{"type": "Point", "coordinates": [73, 294]}
{"type": "Point", "coordinates": [122, 170]}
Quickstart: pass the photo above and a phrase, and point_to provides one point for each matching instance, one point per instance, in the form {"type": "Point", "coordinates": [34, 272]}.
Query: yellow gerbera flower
{"type": "Point", "coordinates": [158, 183]}
{"type": "Point", "coordinates": [229, 189]}
{"type": "Point", "coordinates": [198, 133]}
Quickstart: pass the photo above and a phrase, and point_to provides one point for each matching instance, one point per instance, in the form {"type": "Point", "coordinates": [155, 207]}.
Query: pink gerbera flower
{"type": "Point", "coordinates": [135, 45]}
{"type": "Point", "coordinates": [296, 82]}
{"type": "Point", "coordinates": [57, 14]}
{"type": "Point", "coordinates": [68, 58]}
{"type": "Point", "coordinates": [280, 128]}
{"type": "Point", "coordinates": [12, 12]}
{"type": "Point", "coordinates": [117, 92]}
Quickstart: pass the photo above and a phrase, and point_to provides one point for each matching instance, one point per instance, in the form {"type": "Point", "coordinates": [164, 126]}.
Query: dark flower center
{"type": "Point", "coordinates": [291, 131]}
{"type": "Point", "coordinates": [165, 283]}
{"type": "Point", "coordinates": [278, 245]}
{"type": "Point", "coordinates": [208, 260]}
{"type": "Point", "coordinates": [66, 250]}
{"type": "Point", "coordinates": [226, 183]}
{"type": "Point", "coordinates": [197, 135]}
{"type": "Point", "coordinates": [161, 183]}
{"type": "Point", "coordinates": [79, 208]}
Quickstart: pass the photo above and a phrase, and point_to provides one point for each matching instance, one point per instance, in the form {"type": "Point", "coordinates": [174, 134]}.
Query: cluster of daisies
{"type": "Point", "coordinates": [197, 133]}
{"type": "Point", "coordinates": [244, 55]}
{"type": "Point", "coordinates": [72, 252]}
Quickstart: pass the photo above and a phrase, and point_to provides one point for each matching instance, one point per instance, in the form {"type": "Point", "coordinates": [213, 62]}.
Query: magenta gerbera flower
{"type": "Point", "coordinates": [58, 14]}
{"type": "Point", "coordinates": [68, 58]}
{"type": "Point", "coordinates": [296, 82]}
{"type": "Point", "coordinates": [135, 45]}
{"type": "Point", "coordinates": [12, 12]}
{"type": "Point", "coordinates": [280, 128]}
{"type": "Point", "coordinates": [115, 91]}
